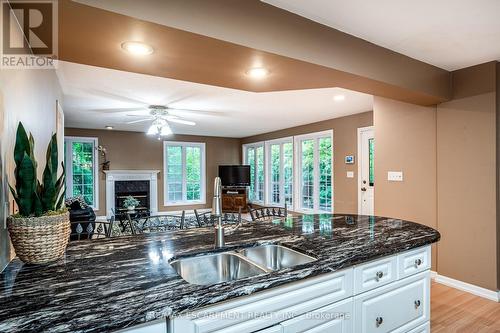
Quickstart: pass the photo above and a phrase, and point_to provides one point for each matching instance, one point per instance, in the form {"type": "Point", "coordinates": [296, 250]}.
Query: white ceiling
{"type": "Point", "coordinates": [449, 34]}
{"type": "Point", "coordinates": [226, 112]}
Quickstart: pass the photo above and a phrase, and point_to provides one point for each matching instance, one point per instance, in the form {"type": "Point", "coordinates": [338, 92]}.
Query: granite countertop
{"type": "Point", "coordinates": [111, 284]}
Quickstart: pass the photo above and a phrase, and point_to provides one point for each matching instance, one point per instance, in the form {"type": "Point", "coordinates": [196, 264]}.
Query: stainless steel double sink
{"type": "Point", "coordinates": [233, 265]}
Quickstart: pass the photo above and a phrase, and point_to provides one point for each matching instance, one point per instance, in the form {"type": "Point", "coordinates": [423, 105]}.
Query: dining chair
{"type": "Point", "coordinates": [157, 223]}
{"type": "Point", "coordinates": [81, 230]}
{"type": "Point", "coordinates": [207, 220]}
{"type": "Point", "coordinates": [265, 213]}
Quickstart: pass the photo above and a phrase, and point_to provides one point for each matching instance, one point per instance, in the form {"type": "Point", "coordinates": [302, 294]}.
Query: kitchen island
{"type": "Point", "coordinates": [127, 283]}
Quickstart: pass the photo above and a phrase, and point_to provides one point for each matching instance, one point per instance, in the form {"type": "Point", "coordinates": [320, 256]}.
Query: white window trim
{"type": "Point", "coordinates": [244, 150]}
{"type": "Point", "coordinates": [69, 166]}
{"type": "Point", "coordinates": [298, 170]}
{"type": "Point", "coordinates": [203, 183]}
{"type": "Point", "coordinates": [268, 170]}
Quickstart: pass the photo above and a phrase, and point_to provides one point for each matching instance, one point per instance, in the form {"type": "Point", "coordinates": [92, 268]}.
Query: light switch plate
{"type": "Point", "coordinates": [395, 176]}
{"type": "Point", "coordinates": [350, 174]}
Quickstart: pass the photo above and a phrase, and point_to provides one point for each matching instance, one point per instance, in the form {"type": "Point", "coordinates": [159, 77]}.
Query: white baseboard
{"type": "Point", "coordinates": [467, 287]}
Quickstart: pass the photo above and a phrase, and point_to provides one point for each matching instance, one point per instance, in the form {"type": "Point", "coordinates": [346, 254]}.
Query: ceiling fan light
{"type": "Point", "coordinates": [153, 130]}
{"type": "Point", "coordinates": [165, 130]}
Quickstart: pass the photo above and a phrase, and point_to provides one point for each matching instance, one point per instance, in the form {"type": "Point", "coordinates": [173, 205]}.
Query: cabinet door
{"type": "Point", "coordinates": [335, 318]}
{"type": "Point", "coordinates": [397, 307]}
{"type": "Point", "coordinates": [227, 202]}
{"type": "Point", "coordinates": [239, 201]}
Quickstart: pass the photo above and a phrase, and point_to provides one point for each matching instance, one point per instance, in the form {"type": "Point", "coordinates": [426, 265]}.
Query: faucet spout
{"type": "Point", "coordinates": [217, 213]}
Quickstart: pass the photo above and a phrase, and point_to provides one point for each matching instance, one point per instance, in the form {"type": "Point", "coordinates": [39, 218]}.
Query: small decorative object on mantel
{"type": "Point", "coordinates": [40, 230]}
{"type": "Point", "coordinates": [349, 159]}
{"type": "Point", "coordinates": [105, 163]}
{"type": "Point", "coordinates": [130, 203]}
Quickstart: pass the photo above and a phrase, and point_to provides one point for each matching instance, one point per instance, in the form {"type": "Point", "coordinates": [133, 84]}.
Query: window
{"type": "Point", "coordinates": [253, 155]}
{"type": "Point", "coordinates": [81, 160]}
{"type": "Point", "coordinates": [184, 173]}
{"type": "Point", "coordinates": [280, 172]}
{"type": "Point", "coordinates": [314, 172]}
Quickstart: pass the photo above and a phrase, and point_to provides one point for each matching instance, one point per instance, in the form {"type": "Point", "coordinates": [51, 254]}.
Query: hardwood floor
{"type": "Point", "coordinates": [453, 310]}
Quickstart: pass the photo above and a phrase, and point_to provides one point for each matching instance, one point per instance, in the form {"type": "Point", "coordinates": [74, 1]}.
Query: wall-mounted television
{"type": "Point", "coordinates": [234, 175]}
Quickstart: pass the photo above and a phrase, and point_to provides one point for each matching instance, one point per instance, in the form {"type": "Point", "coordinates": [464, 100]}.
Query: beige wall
{"type": "Point", "coordinates": [28, 96]}
{"type": "Point", "coordinates": [498, 173]}
{"type": "Point", "coordinates": [467, 201]}
{"type": "Point", "coordinates": [467, 190]}
{"type": "Point", "coordinates": [405, 140]}
{"type": "Point", "coordinates": [136, 151]}
{"type": "Point", "coordinates": [344, 143]}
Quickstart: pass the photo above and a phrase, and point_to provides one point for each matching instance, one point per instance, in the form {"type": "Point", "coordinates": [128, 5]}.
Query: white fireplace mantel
{"type": "Point", "coordinates": [118, 175]}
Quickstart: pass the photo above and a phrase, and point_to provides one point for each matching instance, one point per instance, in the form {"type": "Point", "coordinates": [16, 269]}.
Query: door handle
{"type": "Point", "coordinates": [363, 189]}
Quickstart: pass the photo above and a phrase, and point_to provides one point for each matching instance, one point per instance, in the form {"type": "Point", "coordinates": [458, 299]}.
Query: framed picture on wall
{"type": "Point", "coordinates": [349, 159]}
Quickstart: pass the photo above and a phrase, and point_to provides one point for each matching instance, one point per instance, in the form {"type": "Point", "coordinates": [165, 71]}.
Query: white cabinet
{"type": "Point", "coordinates": [398, 307]}
{"type": "Point", "coordinates": [266, 308]}
{"type": "Point", "coordinates": [157, 326]}
{"type": "Point", "coordinates": [274, 329]}
{"type": "Point", "coordinates": [375, 274]}
{"type": "Point", "coordinates": [414, 261]}
{"type": "Point", "coordinates": [391, 294]}
{"type": "Point", "coordinates": [336, 318]}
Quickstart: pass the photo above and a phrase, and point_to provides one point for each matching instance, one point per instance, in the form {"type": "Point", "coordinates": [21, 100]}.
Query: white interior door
{"type": "Point", "coordinates": [366, 177]}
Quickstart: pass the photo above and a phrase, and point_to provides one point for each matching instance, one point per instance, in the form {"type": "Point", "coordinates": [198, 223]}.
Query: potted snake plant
{"type": "Point", "coordinates": [40, 230]}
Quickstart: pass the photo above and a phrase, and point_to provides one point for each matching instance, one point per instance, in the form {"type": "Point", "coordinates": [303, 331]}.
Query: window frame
{"type": "Point", "coordinates": [203, 184]}
{"type": "Point", "coordinates": [268, 172]}
{"type": "Point", "coordinates": [68, 154]}
{"type": "Point", "coordinates": [256, 145]}
{"type": "Point", "coordinates": [298, 172]}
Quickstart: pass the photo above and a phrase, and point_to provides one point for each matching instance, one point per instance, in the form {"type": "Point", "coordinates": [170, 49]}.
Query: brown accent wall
{"type": "Point", "coordinates": [498, 174]}
{"type": "Point", "coordinates": [308, 54]}
{"type": "Point", "coordinates": [405, 140]}
{"type": "Point", "coordinates": [137, 151]}
{"type": "Point", "coordinates": [344, 143]}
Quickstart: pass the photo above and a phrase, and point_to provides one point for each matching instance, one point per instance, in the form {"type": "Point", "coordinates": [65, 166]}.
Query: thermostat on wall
{"type": "Point", "coordinates": [349, 159]}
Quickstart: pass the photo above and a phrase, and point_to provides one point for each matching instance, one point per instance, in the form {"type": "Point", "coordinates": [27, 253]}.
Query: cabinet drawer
{"type": "Point", "coordinates": [274, 329]}
{"type": "Point", "coordinates": [335, 318]}
{"type": "Point", "coordinates": [249, 314]}
{"type": "Point", "coordinates": [425, 328]}
{"type": "Point", "coordinates": [414, 261]}
{"type": "Point", "coordinates": [375, 274]}
{"type": "Point", "coordinates": [398, 307]}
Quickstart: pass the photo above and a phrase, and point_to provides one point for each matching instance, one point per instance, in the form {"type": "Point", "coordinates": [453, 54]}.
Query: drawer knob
{"type": "Point", "coordinates": [379, 275]}
{"type": "Point", "coordinates": [418, 262]}
{"type": "Point", "coordinates": [379, 321]}
{"type": "Point", "coordinates": [417, 304]}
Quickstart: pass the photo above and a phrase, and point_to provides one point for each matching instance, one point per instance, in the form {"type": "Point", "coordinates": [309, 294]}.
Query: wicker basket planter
{"type": "Point", "coordinates": [39, 240]}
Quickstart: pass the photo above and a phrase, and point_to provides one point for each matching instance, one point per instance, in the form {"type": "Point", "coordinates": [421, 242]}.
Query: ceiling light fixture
{"type": "Point", "coordinates": [159, 127]}
{"type": "Point", "coordinates": [258, 72]}
{"type": "Point", "coordinates": [137, 48]}
{"type": "Point", "coordinates": [108, 127]}
{"type": "Point", "coordinates": [339, 98]}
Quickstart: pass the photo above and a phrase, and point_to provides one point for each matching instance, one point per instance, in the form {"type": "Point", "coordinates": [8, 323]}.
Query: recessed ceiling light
{"type": "Point", "coordinates": [108, 127]}
{"type": "Point", "coordinates": [137, 48]}
{"type": "Point", "coordinates": [258, 72]}
{"type": "Point", "coordinates": [338, 98]}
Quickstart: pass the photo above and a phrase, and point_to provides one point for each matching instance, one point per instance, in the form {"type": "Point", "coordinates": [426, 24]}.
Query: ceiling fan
{"type": "Point", "coordinates": [160, 117]}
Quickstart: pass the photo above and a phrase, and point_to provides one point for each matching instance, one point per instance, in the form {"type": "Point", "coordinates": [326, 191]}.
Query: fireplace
{"type": "Point", "coordinates": [139, 189]}
{"type": "Point", "coordinates": [142, 184]}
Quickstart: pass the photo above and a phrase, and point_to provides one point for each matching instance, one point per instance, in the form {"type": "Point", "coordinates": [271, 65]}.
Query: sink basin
{"type": "Point", "coordinates": [275, 257]}
{"type": "Point", "coordinates": [215, 268]}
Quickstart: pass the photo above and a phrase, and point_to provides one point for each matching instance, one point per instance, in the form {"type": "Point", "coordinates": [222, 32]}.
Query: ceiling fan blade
{"type": "Point", "coordinates": [116, 97]}
{"type": "Point", "coordinates": [181, 121]}
{"type": "Point", "coordinates": [117, 110]}
{"type": "Point", "coordinates": [197, 112]}
{"type": "Point", "coordinates": [137, 121]}
{"type": "Point", "coordinates": [140, 115]}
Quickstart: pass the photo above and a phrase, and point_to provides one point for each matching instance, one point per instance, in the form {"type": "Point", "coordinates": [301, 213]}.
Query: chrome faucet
{"type": "Point", "coordinates": [217, 213]}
